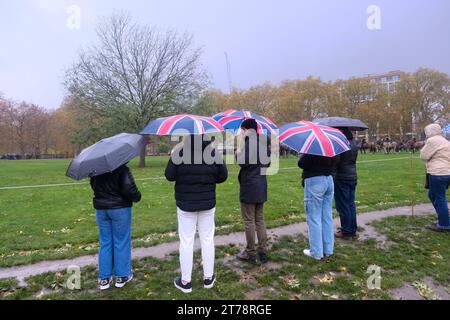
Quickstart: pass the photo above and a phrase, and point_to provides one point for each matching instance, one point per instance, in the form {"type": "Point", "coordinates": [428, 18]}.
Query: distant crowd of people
{"type": "Point", "coordinates": [195, 194]}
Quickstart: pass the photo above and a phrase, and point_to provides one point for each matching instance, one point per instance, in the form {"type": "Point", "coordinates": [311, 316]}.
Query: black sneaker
{"type": "Point", "coordinates": [186, 288]}
{"type": "Point", "coordinates": [209, 283]}
{"type": "Point", "coordinates": [244, 256]}
{"type": "Point", "coordinates": [122, 281]}
{"type": "Point", "coordinates": [104, 284]}
{"type": "Point", "coordinates": [263, 258]}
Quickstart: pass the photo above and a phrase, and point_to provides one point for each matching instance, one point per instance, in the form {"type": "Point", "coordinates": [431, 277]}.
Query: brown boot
{"type": "Point", "coordinates": [434, 227]}
{"type": "Point", "coordinates": [345, 236]}
{"type": "Point", "coordinates": [244, 256]}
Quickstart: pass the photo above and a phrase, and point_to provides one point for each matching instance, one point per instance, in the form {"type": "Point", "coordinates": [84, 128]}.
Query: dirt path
{"type": "Point", "coordinates": [161, 250]}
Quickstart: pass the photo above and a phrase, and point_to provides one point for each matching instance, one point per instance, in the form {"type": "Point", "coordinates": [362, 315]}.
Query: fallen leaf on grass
{"type": "Point", "coordinates": [331, 296]}
{"type": "Point", "coordinates": [291, 281]}
{"type": "Point", "coordinates": [436, 255]}
{"type": "Point", "coordinates": [327, 279]}
{"type": "Point", "coordinates": [425, 291]}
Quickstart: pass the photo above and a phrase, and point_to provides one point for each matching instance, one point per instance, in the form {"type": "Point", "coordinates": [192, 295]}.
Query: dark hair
{"type": "Point", "coordinates": [347, 133]}
{"type": "Point", "coordinates": [249, 124]}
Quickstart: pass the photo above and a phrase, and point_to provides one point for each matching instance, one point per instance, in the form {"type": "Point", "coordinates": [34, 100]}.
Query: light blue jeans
{"type": "Point", "coordinates": [114, 256]}
{"type": "Point", "coordinates": [319, 214]}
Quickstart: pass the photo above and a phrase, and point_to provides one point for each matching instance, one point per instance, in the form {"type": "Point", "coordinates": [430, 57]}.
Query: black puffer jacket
{"type": "Point", "coordinates": [346, 168]}
{"type": "Point", "coordinates": [314, 166]}
{"type": "Point", "coordinates": [115, 190]}
{"type": "Point", "coordinates": [195, 184]}
{"type": "Point", "coordinates": [253, 183]}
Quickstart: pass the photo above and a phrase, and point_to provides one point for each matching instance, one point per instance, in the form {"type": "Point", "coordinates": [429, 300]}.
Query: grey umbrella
{"type": "Point", "coordinates": [106, 155]}
{"type": "Point", "coordinates": [340, 122]}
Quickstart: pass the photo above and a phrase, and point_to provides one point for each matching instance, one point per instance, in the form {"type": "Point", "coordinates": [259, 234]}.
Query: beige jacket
{"type": "Point", "coordinates": [436, 151]}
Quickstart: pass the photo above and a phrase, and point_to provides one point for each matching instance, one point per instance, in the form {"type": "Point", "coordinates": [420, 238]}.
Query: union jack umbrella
{"type": "Point", "coordinates": [182, 124]}
{"type": "Point", "coordinates": [231, 120]}
{"type": "Point", "coordinates": [309, 138]}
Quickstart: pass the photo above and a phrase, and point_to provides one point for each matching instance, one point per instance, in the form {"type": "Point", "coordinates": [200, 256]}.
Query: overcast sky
{"type": "Point", "coordinates": [266, 40]}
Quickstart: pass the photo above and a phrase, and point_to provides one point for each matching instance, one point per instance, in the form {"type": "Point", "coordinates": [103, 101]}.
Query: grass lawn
{"type": "Point", "coordinates": [413, 254]}
{"type": "Point", "coordinates": [58, 222]}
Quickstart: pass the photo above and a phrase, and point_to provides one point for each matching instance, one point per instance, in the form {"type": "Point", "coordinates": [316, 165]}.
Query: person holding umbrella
{"type": "Point", "coordinates": [114, 194]}
{"type": "Point", "coordinates": [105, 163]}
{"type": "Point", "coordinates": [195, 194]}
{"type": "Point", "coordinates": [320, 147]}
{"type": "Point", "coordinates": [253, 182]}
{"type": "Point", "coordinates": [345, 176]}
{"type": "Point", "coordinates": [345, 180]}
{"type": "Point", "coordinates": [319, 188]}
{"type": "Point", "coordinates": [253, 190]}
{"type": "Point", "coordinates": [196, 168]}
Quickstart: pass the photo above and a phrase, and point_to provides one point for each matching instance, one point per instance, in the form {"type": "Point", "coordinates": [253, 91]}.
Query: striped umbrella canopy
{"type": "Point", "coordinates": [231, 120]}
{"type": "Point", "coordinates": [182, 124]}
{"type": "Point", "coordinates": [310, 138]}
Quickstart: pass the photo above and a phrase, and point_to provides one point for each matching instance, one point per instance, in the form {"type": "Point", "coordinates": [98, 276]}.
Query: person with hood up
{"type": "Point", "coordinates": [436, 153]}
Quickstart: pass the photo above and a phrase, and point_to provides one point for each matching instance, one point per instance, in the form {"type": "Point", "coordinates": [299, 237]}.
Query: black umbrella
{"type": "Point", "coordinates": [340, 122]}
{"type": "Point", "coordinates": [106, 155]}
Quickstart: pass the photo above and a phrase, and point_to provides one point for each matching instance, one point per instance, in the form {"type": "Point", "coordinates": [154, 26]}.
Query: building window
{"type": "Point", "coordinates": [384, 79]}
{"type": "Point", "coordinates": [395, 78]}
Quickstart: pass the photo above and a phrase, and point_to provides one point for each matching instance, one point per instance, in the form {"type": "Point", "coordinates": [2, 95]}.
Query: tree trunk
{"type": "Point", "coordinates": [401, 126]}
{"type": "Point", "coordinates": [142, 157]}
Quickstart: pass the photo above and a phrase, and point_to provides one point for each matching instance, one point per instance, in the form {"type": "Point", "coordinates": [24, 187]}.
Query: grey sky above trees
{"type": "Point", "coordinates": [266, 41]}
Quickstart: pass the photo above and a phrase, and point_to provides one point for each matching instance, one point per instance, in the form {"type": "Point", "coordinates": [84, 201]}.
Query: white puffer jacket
{"type": "Point", "coordinates": [436, 151]}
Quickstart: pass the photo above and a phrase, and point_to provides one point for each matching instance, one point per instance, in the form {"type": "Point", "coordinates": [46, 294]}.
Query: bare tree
{"type": "Point", "coordinates": [6, 135]}
{"type": "Point", "coordinates": [136, 73]}
{"type": "Point", "coordinates": [37, 124]}
{"type": "Point", "coordinates": [28, 128]}
{"type": "Point", "coordinates": [426, 93]}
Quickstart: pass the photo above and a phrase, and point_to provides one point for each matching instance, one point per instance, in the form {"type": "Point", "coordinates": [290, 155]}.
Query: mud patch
{"type": "Point", "coordinates": [425, 289]}
{"type": "Point", "coordinates": [272, 265]}
{"type": "Point", "coordinates": [259, 293]}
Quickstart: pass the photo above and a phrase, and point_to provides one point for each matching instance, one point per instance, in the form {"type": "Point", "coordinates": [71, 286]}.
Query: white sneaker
{"type": "Point", "coordinates": [307, 252]}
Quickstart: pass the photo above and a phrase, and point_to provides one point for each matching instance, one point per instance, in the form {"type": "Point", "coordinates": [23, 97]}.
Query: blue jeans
{"type": "Point", "coordinates": [114, 226]}
{"type": "Point", "coordinates": [344, 198]}
{"type": "Point", "coordinates": [436, 193]}
{"type": "Point", "coordinates": [318, 207]}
